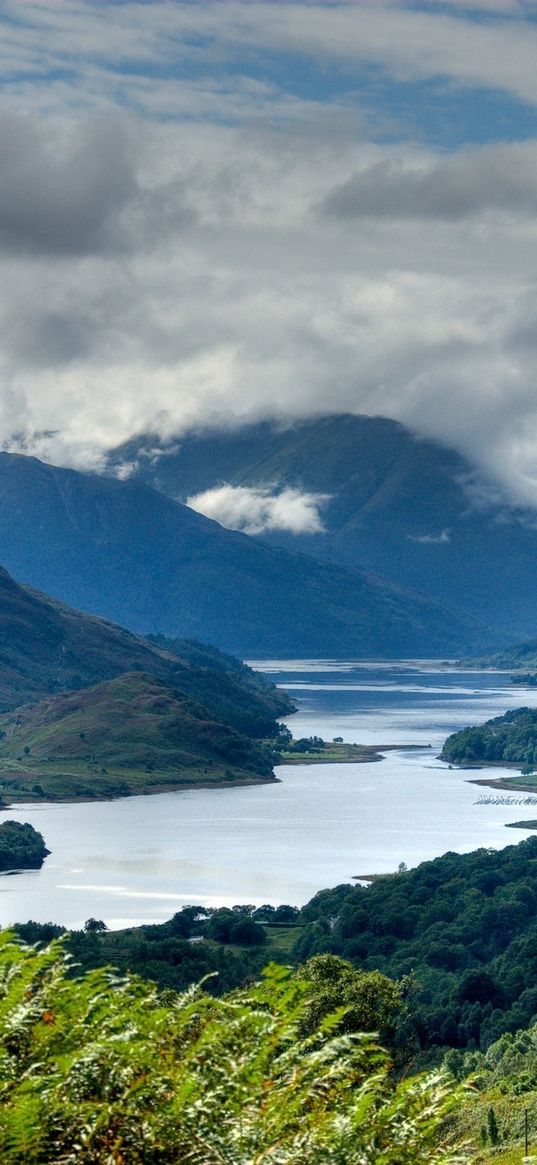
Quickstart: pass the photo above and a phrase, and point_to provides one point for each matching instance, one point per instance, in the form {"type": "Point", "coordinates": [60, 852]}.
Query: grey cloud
{"type": "Point", "coordinates": [219, 294]}
{"type": "Point", "coordinates": [62, 189]}
{"type": "Point", "coordinates": [496, 178]}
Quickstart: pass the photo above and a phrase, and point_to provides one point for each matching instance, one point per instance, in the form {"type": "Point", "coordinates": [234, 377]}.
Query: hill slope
{"type": "Point", "coordinates": [123, 550]}
{"type": "Point", "coordinates": [408, 509]}
{"type": "Point", "coordinates": [47, 647]}
{"type": "Point", "coordinates": [132, 734]}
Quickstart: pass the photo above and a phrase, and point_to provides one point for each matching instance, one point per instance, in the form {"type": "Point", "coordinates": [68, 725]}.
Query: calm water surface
{"type": "Point", "coordinates": [141, 859]}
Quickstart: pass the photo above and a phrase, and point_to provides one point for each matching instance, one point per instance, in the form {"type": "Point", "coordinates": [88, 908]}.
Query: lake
{"type": "Point", "coordinates": [141, 859]}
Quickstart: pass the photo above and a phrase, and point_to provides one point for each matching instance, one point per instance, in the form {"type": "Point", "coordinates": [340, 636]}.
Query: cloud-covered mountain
{"type": "Point", "coordinates": [410, 509]}
{"type": "Point", "coordinates": [196, 219]}
{"type": "Point", "coordinates": [125, 551]}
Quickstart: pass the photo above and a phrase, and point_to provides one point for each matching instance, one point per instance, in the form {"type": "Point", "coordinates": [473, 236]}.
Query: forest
{"type": "Point", "coordinates": [511, 739]}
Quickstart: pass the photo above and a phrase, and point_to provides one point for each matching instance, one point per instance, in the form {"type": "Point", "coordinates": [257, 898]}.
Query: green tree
{"type": "Point", "coordinates": [95, 926]}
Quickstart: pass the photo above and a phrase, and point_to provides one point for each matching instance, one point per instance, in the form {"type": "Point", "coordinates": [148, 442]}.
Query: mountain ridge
{"type": "Point", "coordinates": [124, 551]}
{"type": "Point", "coordinates": [401, 506]}
{"type": "Point", "coordinates": [46, 647]}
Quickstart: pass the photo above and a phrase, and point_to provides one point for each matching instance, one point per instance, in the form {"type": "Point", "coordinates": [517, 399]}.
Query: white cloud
{"type": "Point", "coordinates": [432, 539]}
{"type": "Point", "coordinates": [258, 510]}
{"type": "Point", "coordinates": [95, 56]}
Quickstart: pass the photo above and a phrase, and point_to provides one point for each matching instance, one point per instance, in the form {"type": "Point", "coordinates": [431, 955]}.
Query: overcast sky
{"type": "Point", "coordinates": [228, 210]}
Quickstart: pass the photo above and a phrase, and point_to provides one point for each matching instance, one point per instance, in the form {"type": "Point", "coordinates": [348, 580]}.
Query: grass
{"type": "Point", "coordinates": [133, 734]}
{"type": "Point", "coordinates": [468, 1122]}
{"type": "Point", "coordinates": [78, 781]}
{"type": "Point", "coordinates": [502, 1156]}
{"type": "Point", "coordinates": [282, 939]}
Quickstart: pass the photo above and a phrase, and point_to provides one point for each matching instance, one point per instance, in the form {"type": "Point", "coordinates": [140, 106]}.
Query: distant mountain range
{"type": "Point", "coordinates": [123, 550]}
{"type": "Point", "coordinates": [407, 509]}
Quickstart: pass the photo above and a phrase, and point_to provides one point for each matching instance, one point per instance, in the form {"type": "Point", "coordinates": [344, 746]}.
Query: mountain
{"type": "Point", "coordinates": [123, 550]}
{"type": "Point", "coordinates": [406, 508]}
{"type": "Point", "coordinates": [47, 647]}
{"type": "Point", "coordinates": [132, 734]}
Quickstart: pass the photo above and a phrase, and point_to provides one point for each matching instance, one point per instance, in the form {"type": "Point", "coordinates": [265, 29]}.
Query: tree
{"type": "Point", "coordinates": [95, 926]}
{"type": "Point", "coordinates": [492, 1127]}
{"type": "Point", "coordinates": [367, 1000]}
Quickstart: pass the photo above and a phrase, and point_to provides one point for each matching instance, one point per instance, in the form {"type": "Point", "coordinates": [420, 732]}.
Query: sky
{"type": "Point", "coordinates": [221, 211]}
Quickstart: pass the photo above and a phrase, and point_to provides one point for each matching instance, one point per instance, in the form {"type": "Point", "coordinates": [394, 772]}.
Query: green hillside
{"type": "Point", "coordinates": [463, 926]}
{"type": "Point", "coordinates": [132, 734]}
{"type": "Point", "coordinates": [511, 739]}
{"type": "Point", "coordinates": [515, 658]}
{"type": "Point", "coordinates": [47, 647]}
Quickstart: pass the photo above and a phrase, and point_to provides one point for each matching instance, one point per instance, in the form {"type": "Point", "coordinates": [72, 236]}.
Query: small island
{"type": "Point", "coordinates": [21, 847]}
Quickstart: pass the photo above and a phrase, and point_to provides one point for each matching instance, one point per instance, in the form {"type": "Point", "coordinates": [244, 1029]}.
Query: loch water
{"type": "Point", "coordinates": [142, 858]}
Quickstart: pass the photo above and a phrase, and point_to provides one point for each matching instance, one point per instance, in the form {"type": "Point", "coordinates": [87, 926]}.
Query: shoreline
{"type": "Point", "coordinates": [365, 753]}
{"type": "Point", "coordinates": [509, 783]}
{"type": "Point", "coordinates": [154, 790]}
{"type": "Point", "coordinates": [361, 754]}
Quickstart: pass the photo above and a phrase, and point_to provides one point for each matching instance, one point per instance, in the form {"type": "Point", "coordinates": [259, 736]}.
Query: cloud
{"type": "Point", "coordinates": [432, 539]}
{"type": "Point", "coordinates": [258, 510]}
{"type": "Point", "coordinates": [500, 179]}
{"type": "Point", "coordinates": [194, 229]}
{"type": "Point", "coordinates": [62, 191]}
{"type": "Point", "coordinates": [88, 56]}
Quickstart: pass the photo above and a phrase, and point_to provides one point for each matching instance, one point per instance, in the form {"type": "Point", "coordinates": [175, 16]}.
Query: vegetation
{"type": "Point", "coordinates": [100, 1071]}
{"type": "Point", "coordinates": [507, 739]}
{"type": "Point", "coordinates": [458, 934]}
{"type": "Point", "coordinates": [503, 1099]}
{"type": "Point", "coordinates": [133, 734]}
{"type": "Point", "coordinates": [21, 847]}
{"type": "Point", "coordinates": [47, 647]}
{"type": "Point", "coordinates": [138, 716]}
{"type": "Point", "coordinates": [463, 927]}
{"type": "Point", "coordinates": [514, 657]}
{"type": "Point", "coordinates": [314, 750]}
{"type": "Point", "coordinates": [233, 691]}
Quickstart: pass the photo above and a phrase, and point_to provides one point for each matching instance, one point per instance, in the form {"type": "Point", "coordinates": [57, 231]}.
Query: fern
{"type": "Point", "coordinates": [102, 1071]}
